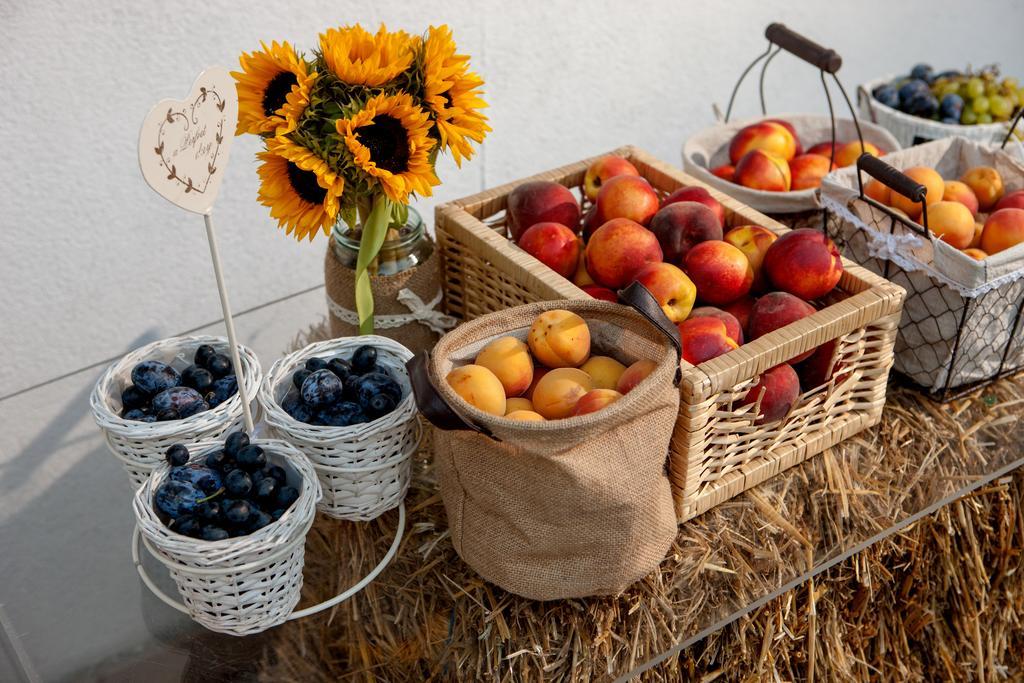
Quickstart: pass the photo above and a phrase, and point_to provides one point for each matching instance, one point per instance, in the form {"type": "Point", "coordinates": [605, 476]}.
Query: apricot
{"type": "Point", "coordinates": [976, 254]}
{"type": "Point", "coordinates": [596, 399]}
{"type": "Point", "coordinates": [559, 391]}
{"type": "Point", "coordinates": [979, 228]}
{"type": "Point", "coordinates": [877, 190]}
{"type": "Point", "coordinates": [932, 181]}
{"type": "Point", "coordinates": [518, 403]}
{"type": "Point", "coordinates": [781, 389]}
{"type": "Point", "coordinates": [604, 371]}
{"type": "Point", "coordinates": [1003, 229]}
{"type": "Point", "coordinates": [559, 339]}
{"type": "Point", "coordinates": [634, 374]}
{"type": "Point", "coordinates": [538, 373]}
{"type": "Point", "coordinates": [955, 191]}
{"type": "Point", "coordinates": [851, 151]}
{"type": "Point", "coordinates": [774, 311]}
{"type": "Point", "coordinates": [733, 329]}
{"type": "Point", "coordinates": [720, 271]}
{"type": "Point", "coordinates": [478, 387]}
{"type": "Point", "coordinates": [525, 416]}
{"type": "Point", "coordinates": [987, 185]}
{"type": "Point", "coordinates": [952, 223]}
{"type": "Point", "coordinates": [509, 359]}
{"type": "Point", "coordinates": [804, 263]}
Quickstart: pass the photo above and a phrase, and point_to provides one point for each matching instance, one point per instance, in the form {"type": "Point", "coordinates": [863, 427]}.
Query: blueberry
{"type": "Point", "coordinates": [134, 414]}
{"type": "Point", "coordinates": [340, 367]}
{"type": "Point", "coordinates": [374, 384]}
{"type": "Point", "coordinates": [203, 355]}
{"type": "Point", "coordinates": [286, 495]}
{"type": "Point", "coordinates": [167, 416]}
{"type": "Point", "coordinates": [266, 489]}
{"type": "Point", "coordinates": [341, 414]}
{"type": "Point", "coordinates": [187, 525]}
{"type": "Point", "coordinates": [238, 483]}
{"type": "Point", "coordinates": [198, 378]}
{"type": "Point", "coordinates": [133, 397]}
{"type": "Point", "coordinates": [924, 72]}
{"type": "Point", "coordinates": [314, 364]}
{"type": "Point", "coordinates": [296, 408]}
{"type": "Point", "coordinates": [202, 477]}
{"type": "Point", "coordinates": [278, 473]}
{"type": "Point", "coordinates": [180, 399]}
{"type": "Point", "coordinates": [219, 365]}
{"type": "Point", "coordinates": [300, 376]}
{"type": "Point", "coordinates": [210, 510]}
{"type": "Point", "coordinates": [887, 95]}
{"type": "Point", "coordinates": [364, 359]}
{"type": "Point", "coordinates": [223, 389]}
{"type": "Point", "coordinates": [213, 533]}
{"type": "Point", "coordinates": [380, 404]}
{"type": "Point", "coordinates": [235, 442]}
{"type": "Point", "coordinates": [258, 519]}
{"type": "Point", "coordinates": [177, 498]}
{"type": "Point", "coordinates": [216, 460]}
{"type": "Point", "coordinates": [151, 377]}
{"type": "Point", "coordinates": [321, 388]}
{"type": "Point", "coordinates": [251, 458]}
{"type": "Point", "coordinates": [177, 455]}
{"type": "Point", "coordinates": [237, 511]}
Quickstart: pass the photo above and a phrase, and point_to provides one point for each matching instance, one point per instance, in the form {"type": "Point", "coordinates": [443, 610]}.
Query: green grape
{"type": "Point", "coordinates": [992, 88]}
{"type": "Point", "coordinates": [950, 88]}
{"type": "Point", "coordinates": [1020, 95]}
{"type": "Point", "coordinates": [984, 118]}
{"type": "Point", "coordinates": [980, 105]}
{"type": "Point", "coordinates": [1000, 107]}
{"type": "Point", "coordinates": [1011, 83]}
{"type": "Point", "coordinates": [975, 88]}
{"type": "Point", "coordinates": [968, 117]}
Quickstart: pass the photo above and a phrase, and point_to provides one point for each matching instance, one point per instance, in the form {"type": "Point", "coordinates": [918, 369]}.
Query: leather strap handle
{"type": "Point", "coordinates": [637, 297]}
{"type": "Point", "coordinates": [824, 58]}
{"type": "Point", "coordinates": [432, 404]}
{"type": "Point", "coordinates": [895, 180]}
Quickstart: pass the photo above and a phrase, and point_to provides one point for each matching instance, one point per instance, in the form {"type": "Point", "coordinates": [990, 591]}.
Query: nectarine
{"type": "Point", "coordinates": [807, 170]}
{"type": "Point", "coordinates": [803, 262]}
{"type": "Point", "coordinates": [634, 374]}
{"type": "Point", "coordinates": [766, 136]}
{"type": "Point", "coordinates": [774, 311]}
{"type": "Point", "coordinates": [733, 329]}
{"type": "Point", "coordinates": [554, 245]}
{"type": "Point", "coordinates": [753, 241]}
{"type": "Point", "coordinates": [1012, 200]}
{"type": "Point", "coordinates": [1003, 229]}
{"type": "Point", "coordinates": [760, 170]}
{"type": "Point", "coordinates": [539, 201]}
{"type": "Point", "coordinates": [704, 339]}
{"type": "Point", "coordinates": [619, 249]}
{"type": "Point", "coordinates": [604, 169]}
{"type": "Point", "coordinates": [778, 389]}
{"type": "Point", "coordinates": [594, 400]}
{"type": "Point", "coordinates": [699, 195]}
{"type": "Point", "coordinates": [670, 287]}
{"type": "Point", "coordinates": [681, 225]}
{"type": "Point", "coordinates": [627, 196]}
{"type": "Point", "coordinates": [720, 271]}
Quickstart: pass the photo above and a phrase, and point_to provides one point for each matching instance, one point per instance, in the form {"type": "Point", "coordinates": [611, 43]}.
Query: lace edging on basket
{"type": "Point", "coordinates": [419, 312]}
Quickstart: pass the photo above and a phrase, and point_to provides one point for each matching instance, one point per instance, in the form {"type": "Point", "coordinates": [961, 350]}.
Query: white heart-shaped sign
{"type": "Point", "coordinates": [184, 144]}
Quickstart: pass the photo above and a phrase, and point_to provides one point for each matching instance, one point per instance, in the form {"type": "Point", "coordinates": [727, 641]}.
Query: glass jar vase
{"type": "Point", "coordinates": [404, 247]}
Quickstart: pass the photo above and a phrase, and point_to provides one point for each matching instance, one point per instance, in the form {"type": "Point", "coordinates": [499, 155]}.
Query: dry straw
{"type": "Point", "coordinates": [140, 446]}
{"type": "Point", "coordinates": [363, 469]}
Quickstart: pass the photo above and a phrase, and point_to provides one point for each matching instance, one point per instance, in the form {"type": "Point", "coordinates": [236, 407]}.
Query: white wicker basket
{"type": "Point", "coordinates": [363, 469]}
{"type": "Point", "coordinates": [239, 585]}
{"type": "Point", "coordinates": [140, 446]}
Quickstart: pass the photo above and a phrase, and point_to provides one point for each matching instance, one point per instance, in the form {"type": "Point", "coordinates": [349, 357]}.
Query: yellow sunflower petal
{"type": "Point", "coordinates": [299, 188]}
{"type": "Point", "coordinates": [273, 89]}
{"type": "Point", "coordinates": [454, 94]}
{"type": "Point", "coordinates": [358, 57]}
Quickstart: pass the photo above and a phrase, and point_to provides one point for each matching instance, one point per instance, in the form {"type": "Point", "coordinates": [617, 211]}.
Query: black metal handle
{"type": "Point", "coordinates": [1013, 125]}
{"type": "Point", "coordinates": [898, 182]}
{"type": "Point", "coordinates": [639, 298]}
{"type": "Point", "coordinates": [826, 59]}
{"type": "Point", "coordinates": [431, 403]}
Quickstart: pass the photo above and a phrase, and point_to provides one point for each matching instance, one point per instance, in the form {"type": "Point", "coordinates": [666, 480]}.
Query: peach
{"type": "Point", "coordinates": [877, 190]}
{"type": "Point", "coordinates": [934, 183]}
{"type": "Point", "coordinates": [540, 201]}
{"type": "Point", "coordinates": [618, 250]}
{"type": "Point", "coordinates": [792, 131]}
{"type": "Point", "coordinates": [559, 391]}
{"type": "Point", "coordinates": [596, 399]}
{"type": "Point", "coordinates": [634, 374]}
{"type": "Point", "coordinates": [760, 170]}
{"type": "Point", "coordinates": [554, 245]}
{"type": "Point", "coordinates": [805, 263]}
{"type": "Point", "coordinates": [952, 223]}
{"type": "Point", "coordinates": [778, 389]}
{"type": "Point", "coordinates": [478, 387]}
{"type": "Point", "coordinates": [720, 271]}
{"type": "Point", "coordinates": [627, 196]}
{"type": "Point", "coordinates": [976, 254]}
{"type": "Point", "coordinates": [602, 293]}
{"type": "Point", "coordinates": [525, 416]}
{"type": "Point", "coordinates": [753, 241]}
{"type": "Point", "coordinates": [986, 183]}
{"type": "Point", "coordinates": [774, 311]}
{"type": "Point", "coordinates": [1003, 229]}
{"type": "Point", "coordinates": [767, 136]}
{"type": "Point", "coordinates": [538, 373]}
{"type": "Point", "coordinates": [955, 191]}
{"type": "Point", "coordinates": [807, 170]}
{"type": "Point", "coordinates": [581, 278]}
{"type": "Point", "coordinates": [681, 225]}
{"type": "Point", "coordinates": [559, 339]}
{"type": "Point", "coordinates": [740, 309]}
{"type": "Point", "coordinates": [818, 368]}
{"type": "Point", "coordinates": [699, 195]}
{"type": "Point", "coordinates": [824, 148]}
{"type": "Point", "coordinates": [604, 370]}
{"type": "Point", "coordinates": [670, 287]}
{"type": "Point", "coordinates": [725, 172]}
{"type": "Point", "coordinates": [733, 329]}
{"type": "Point", "coordinates": [704, 339]}
{"type": "Point", "coordinates": [509, 359]}
{"type": "Point", "coordinates": [851, 151]}
{"type": "Point", "coordinates": [517, 403]}
{"type": "Point", "coordinates": [604, 169]}
{"type": "Point", "coordinates": [1013, 200]}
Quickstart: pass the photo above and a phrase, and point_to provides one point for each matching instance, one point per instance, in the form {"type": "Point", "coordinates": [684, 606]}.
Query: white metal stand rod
{"type": "Point", "coordinates": [228, 321]}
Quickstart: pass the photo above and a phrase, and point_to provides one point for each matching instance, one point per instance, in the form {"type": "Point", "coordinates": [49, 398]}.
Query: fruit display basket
{"type": "Point", "coordinates": [717, 450]}
{"type": "Point", "coordinates": [238, 585]}
{"type": "Point", "coordinates": [140, 446]}
{"type": "Point", "coordinates": [363, 468]}
{"type": "Point", "coordinates": [961, 321]}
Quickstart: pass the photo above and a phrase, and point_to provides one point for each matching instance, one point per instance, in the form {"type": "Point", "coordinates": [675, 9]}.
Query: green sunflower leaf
{"type": "Point", "coordinates": [375, 229]}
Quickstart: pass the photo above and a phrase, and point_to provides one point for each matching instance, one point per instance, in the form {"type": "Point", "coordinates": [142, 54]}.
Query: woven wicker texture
{"type": "Point", "coordinates": [485, 272]}
{"type": "Point", "coordinates": [564, 508]}
{"type": "Point", "coordinates": [239, 585]}
{"type": "Point", "coordinates": [363, 469]}
{"type": "Point", "coordinates": [140, 446]}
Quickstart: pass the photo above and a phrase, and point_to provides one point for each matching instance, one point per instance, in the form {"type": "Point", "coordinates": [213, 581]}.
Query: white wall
{"type": "Point", "coordinates": [92, 259]}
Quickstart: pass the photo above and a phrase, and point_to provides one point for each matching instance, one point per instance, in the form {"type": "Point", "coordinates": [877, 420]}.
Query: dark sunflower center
{"type": "Point", "coordinates": [305, 185]}
{"type": "Point", "coordinates": [447, 96]}
{"type": "Point", "coordinates": [388, 143]}
{"type": "Point", "coordinates": [277, 91]}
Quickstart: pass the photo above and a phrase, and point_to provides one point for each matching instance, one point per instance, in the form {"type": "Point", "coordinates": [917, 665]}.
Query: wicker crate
{"type": "Point", "coordinates": [717, 451]}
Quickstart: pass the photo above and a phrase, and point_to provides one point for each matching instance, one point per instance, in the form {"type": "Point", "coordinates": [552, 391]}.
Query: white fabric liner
{"type": "Point", "coordinates": [710, 148]}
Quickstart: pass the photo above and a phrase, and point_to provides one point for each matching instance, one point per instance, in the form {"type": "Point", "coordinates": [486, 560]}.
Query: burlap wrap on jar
{"type": "Point", "coordinates": [422, 281]}
{"type": "Point", "coordinates": [565, 508]}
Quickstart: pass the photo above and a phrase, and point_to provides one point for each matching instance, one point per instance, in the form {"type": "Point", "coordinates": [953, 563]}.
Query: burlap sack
{"type": "Point", "coordinates": [566, 508]}
{"type": "Point", "coordinates": [423, 280]}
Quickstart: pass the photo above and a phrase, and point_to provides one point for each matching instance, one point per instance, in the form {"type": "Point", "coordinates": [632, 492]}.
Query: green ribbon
{"type": "Point", "coordinates": [375, 230]}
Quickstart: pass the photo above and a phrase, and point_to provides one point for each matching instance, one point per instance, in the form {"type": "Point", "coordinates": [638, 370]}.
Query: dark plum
{"type": "Point", "coordinates": [203, 355]}
{"type": "Point", "coordinates": [314, 364]}
{"type": "Point", "coordinates": [300, 376]}
{"type": "Point", "coordinates": [924, 72]}
{"type": "Point", "coordinates": [258, 519]}
{"type": "Point", "coordinates": [177, 498]}
{"type": "Point", "coordinates": [380, 404]}
{"type": "Point", "coordinates": [374, 384]}
{"type": "Point", "coordinates": [187, 525]}
{"type": "Point", "coordinates": [219, 365]}
{"type": "Point", "coordinates": [202, 477]}
{"type": "Point", "coordinates": [176, 398]}
{"type": "Point", "coordinates": [198, 378]}
{"type": "Point", "coordinates": [951, 107]}
{"type": "Point", "coordinates": [223, 389]}
{"type": "Point", "coordinates": [210, 510]}
{"type": "Point", "coordinates": [237, 511]}
{"type": "Point", "coordinates": [342, 414]}
{"type": "Point", "coordinates": [912, 89]}
{"type": "Point", "coordinates": [167, 416]}
{"type": "Point", "coordinates": [296, 408]}
{"type": "Point", "coordinates": [177, 455]}
{"type": "Point", "coordinates": [276, 514]}
{"type": "Point", "coordinates": [887, 95]}
{"type": "Point", "coordinates": [134, 414]}
{"type": "Point", "coordinates": [152, 376]}
{"type": "Point", "coordinates": [278, 473]}
{"type": "Point", "coordinates": [238, 483]}
{"type": "Point", "coordinates": [266, 490]}
{"type": "Point", "coordinates": [364, 359]}
{"type": "Point", "coordinates": [286, 495]}
{"type": "Point", "coordinates": [148, 418]}
{"type": "Point", "coordinates": [251, 458]}
{"type": "Point", "coordinates": [340, 367]}
{"type": "Point", "coordinates": [235, 442]}
{"type": "Point", "coordinates": [321, 388]}
{"type": "Point", "coordinates": [216, 460]}
{"type": "Point", "coordinates": [133, 397]}
{"type": "Point", "coordinates": [214, 533]}
{"type": "Point", "coordinates": [197, 407]}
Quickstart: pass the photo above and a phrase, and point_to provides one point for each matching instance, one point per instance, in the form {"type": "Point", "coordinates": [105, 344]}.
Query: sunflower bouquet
{"type": "Point", "coordinates": [354, 133]}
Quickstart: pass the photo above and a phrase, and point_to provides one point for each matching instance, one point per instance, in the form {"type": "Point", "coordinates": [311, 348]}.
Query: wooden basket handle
{"type": "Point", "coordinates": [824, 58]}
{"type": "Point", "coordinates": [895, 180]}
